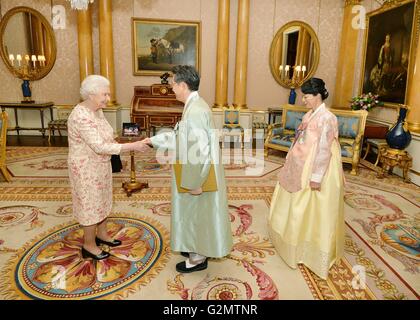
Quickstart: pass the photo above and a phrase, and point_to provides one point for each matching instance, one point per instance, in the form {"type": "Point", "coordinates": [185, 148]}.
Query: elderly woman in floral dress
{"type": "Point", "coordinates": [91, 144]}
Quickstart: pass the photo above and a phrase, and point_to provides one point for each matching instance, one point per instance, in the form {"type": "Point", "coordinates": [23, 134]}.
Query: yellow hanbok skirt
{"type": "Point", "coordinates": [308, 226]}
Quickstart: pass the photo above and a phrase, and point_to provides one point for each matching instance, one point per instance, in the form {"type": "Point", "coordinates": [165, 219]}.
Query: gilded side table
{"type": "Point", "coordinates": [133, 185]}
{"type": "Point", "coordinates": [393, 157]}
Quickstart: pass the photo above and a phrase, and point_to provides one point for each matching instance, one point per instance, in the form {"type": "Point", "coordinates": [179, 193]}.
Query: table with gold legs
{"type": "Point", "coordinates": [393, 157]}
{"type": "Point", "coordinates": [133, 185]}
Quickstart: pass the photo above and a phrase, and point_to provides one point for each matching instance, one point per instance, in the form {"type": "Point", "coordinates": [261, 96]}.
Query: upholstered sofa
{"type": "Point", "coordinates": [351, 126]}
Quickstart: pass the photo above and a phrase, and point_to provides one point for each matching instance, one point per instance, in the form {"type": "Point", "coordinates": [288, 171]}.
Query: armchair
{"type": "Point", "coordinates": [231, 126]}
{"type": "Point", "coordinates": [351, 128]}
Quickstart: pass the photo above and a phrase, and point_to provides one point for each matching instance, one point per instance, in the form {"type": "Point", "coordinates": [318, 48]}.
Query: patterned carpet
{"type": "Point", "coordinates": [52, 163]}
{"type": "Point", "coordinates": [40, 241]}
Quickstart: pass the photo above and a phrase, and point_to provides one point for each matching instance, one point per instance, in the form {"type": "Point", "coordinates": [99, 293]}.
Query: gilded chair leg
{"type": "Point", "coordinates": [6, 173]}
{"type": "Point", "coordinates": [353, 171]}
{"type": "Point", "coordinates": [377, 159]}
{"type": "Point", "coordinates": [49, 136]}
{"type": "Point", "coordinates": [367, 151]}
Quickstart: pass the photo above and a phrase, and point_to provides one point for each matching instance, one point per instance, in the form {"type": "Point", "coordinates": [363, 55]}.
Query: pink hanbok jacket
{"type": "Point", "coordinates": [313, 143]}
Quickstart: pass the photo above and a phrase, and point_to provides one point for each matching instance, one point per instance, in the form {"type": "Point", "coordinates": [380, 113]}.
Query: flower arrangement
{"type": "Point", "coordinates": [365, 101]}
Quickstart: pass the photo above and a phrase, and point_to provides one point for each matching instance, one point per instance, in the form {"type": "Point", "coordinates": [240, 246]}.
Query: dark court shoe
{"type": "Point", "coordinates": [182, 267]}
{"type": "Point", "coordinates": [185, 254]}
{"type": "Point", "coordinates": [113, 243]}
{"type": "Point", "coordinates": [86, 254]}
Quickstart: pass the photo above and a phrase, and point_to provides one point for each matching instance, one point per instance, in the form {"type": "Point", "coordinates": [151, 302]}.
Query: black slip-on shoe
{"type": "Point", "coordinates": [185, 254]}
{"type": "Point", "coordinates": [87, 254]}
{"type": "Point", "coordinates": [113, 243]}
{"type": "Point", "coordinates": [182, 267]}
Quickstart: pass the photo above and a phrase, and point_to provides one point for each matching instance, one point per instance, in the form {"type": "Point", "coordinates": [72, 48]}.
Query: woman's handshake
{"type": "Point", "coordinates": [140, 146]}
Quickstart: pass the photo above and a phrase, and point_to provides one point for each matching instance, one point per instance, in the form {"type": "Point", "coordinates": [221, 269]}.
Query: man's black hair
{"type": "Point", "coordinates": [187, 74]}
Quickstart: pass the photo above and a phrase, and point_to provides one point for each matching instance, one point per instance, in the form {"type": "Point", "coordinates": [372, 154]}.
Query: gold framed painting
{"type": "Point", "coordinates": [159, 45]}
{"type": "Point", "coordinates": [389, 51]}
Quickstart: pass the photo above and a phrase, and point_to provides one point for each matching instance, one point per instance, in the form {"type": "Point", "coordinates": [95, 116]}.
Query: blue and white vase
{"type": "Point", "coordinates": [398, 136]}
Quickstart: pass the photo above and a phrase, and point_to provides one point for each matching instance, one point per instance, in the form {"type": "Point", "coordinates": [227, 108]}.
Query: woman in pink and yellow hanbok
{"type": "Point", "coordinates": [306, 219]}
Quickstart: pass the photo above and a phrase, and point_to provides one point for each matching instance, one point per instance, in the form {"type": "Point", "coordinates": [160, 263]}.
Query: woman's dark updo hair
{"type": "Point", "coordinates": [315, 86]}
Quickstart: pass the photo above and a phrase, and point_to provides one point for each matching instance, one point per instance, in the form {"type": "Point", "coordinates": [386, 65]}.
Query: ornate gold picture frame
{"type": "Point", "coordinates": [159, 45]}
{"type": "Point", "coordinates": [389, 50]}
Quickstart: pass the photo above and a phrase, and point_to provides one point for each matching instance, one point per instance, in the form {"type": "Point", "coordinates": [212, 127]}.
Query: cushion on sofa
{"type": "Point", "coordinates": [293, 119]}
{"type": "Point", "coordinates": [285, 140]}
{"type": "Point", "coordinates": [277, 131]}
{"type": "Point", "coordinates": [348, 127]}
{"type": "Point", "coordinates": [348, 144]}
{"type": "Point", "coordinates": [347, 148]}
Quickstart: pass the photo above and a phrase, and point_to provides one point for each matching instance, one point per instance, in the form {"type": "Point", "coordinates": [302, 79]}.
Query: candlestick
{"type": "Point", "coordinates": [297, 69]}
{"type": "Point", "coordinates": [33, 58]}
{"type": "Point", "coordinates": [12, 59]}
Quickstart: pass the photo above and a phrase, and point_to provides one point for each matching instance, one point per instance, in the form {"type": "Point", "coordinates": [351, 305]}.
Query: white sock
{"type": "Point", "coordinates": [196, 258]}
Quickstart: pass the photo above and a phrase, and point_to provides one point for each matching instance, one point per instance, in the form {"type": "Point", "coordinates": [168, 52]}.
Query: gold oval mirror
{"type": "Point", "coordinates": [294, 54]}
{"type": "Point", "coordinates": [28, 45]}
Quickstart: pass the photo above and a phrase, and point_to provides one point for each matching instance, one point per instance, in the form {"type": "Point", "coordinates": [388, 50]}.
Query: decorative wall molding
{"type": "Point", "coordinates": [352, 3]}
{"type": "Point", "coordinates": [388, 2]}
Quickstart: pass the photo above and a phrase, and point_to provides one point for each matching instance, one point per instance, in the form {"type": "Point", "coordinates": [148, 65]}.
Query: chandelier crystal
{"type": "Point", "coordinates": [80, 4]}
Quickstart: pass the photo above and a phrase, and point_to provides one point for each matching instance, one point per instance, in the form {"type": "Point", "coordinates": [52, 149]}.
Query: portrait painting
{"type": "Point", "coordinates": [388, 51]}
{"type": "Point", "coordinates": [159, 45]}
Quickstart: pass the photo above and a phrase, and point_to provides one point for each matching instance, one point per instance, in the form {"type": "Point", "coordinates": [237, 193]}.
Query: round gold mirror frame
{"type": "Point", "coordinates": [49, 63]}
{"type": "Point", "coordinates": [276, 54]}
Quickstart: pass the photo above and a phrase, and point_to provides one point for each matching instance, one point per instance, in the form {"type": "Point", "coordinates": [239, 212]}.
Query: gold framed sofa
{"type": "Point", "coordinates": [351, 127]}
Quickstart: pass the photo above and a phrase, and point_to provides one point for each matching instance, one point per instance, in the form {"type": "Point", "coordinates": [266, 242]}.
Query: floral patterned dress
{"type": "Point", "coordinates": [91, 145]}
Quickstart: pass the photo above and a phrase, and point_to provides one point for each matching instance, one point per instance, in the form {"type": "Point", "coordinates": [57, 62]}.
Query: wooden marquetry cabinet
{"type": "Point", "coordinates": [155, 107]}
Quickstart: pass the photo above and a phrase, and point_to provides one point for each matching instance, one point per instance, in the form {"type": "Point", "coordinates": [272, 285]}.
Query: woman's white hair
{"type": "Point", "coordinates": [91, 84]}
